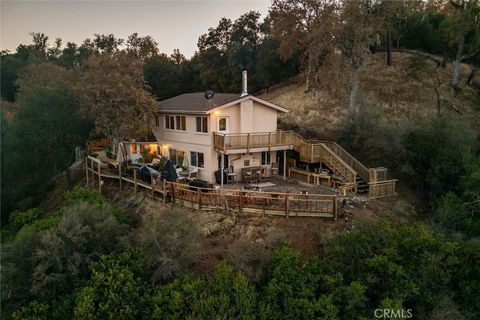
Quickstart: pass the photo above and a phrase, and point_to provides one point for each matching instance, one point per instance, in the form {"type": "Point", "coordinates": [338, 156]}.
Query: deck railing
{"type": "Point", "coordinates": [236, 201]}
{"type": "Point", "coordinates": [252, 140]}
{"type": "Point", "coordinates": [382, 189]}
{"type": "Point", "coordinates": [352, 162]}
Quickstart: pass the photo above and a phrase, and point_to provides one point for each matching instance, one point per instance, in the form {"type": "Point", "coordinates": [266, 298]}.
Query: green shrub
{"type": "Point", "coordinates": [32, 311]}
{"type": "Point", "coordinates": [290, 287]}
{"type": "Point", "coordinates": [42, 224]}
{"type": "Point", "coordinates": [17, 220]}
{"type": "Point", "coordinates": [79, 194]}
{"type": "Point", "coordinates": [84, 233]}
{"type": "Point", "coordinates": [171, 239]}
{"type": "Point", "coordinates": [224, 294]}
{"type": "Point", "coordinates": [175, 300]}
{"type": "Point", "coordinates": [116, 290]}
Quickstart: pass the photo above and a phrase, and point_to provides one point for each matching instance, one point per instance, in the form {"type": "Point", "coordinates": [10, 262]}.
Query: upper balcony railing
{"type": "Point", "coordinates": [253, 140]}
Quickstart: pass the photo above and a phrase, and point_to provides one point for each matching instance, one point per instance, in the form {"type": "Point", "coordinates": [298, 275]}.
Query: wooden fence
{"type": "Point", "coordinates": [382, 189]}
{"type": "Point", "coordinates": [236, 201]}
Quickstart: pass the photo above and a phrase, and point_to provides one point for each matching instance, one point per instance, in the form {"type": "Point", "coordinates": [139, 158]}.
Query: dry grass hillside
{"type": "Point", "coordinates": [408, 92]}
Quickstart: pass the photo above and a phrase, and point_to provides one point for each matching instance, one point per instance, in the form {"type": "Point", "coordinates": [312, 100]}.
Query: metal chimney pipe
{"type": "Point", "coordinates": [244, 83]}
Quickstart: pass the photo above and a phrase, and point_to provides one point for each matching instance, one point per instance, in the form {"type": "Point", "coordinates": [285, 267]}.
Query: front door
{"type": "Point", "coordinates": [223, 124]}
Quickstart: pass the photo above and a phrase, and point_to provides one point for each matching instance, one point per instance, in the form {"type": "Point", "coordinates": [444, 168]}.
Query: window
{"type": "Point", "coordinates": [265, 158]}
{"type": "Point", "coordinates": [246, 163]}
{"type": "Point", "coordinates": [181, 123]}
{"type": "Point", "coordinates": [134, 148]}
{"type": "Point", "coordinates": [169, 122]}
{"type": "Point", "coordinates": [202, 124]}
{"type": "Point", "coordinates": [157, 121]}
{"type": "Point", "coordinates": [175, 123]}
{"type": "Point", "coordinates": [177, 157]}
{"type": "Point", "coordinates": [222, 124]}
{"type": "Point", "coordinates": [197, 159]}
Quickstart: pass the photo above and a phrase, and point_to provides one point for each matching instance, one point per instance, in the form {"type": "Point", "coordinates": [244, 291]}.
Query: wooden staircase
{"type": "Point", "coordinates": [372, 181]}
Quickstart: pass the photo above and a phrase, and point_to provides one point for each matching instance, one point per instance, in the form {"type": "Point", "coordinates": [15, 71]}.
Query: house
{"type": "Point", "coordinates": [229, 130]}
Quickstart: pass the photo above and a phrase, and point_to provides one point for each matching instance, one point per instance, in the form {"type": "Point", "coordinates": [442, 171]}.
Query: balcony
{"type": "Point", "coordinates": [249, 142]}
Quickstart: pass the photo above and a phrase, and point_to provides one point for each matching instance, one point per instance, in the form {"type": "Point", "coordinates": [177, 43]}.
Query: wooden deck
{"type": "Point", "coordinates": [337, 159]}
{"type": "Point", "coordinates": [235, 201]}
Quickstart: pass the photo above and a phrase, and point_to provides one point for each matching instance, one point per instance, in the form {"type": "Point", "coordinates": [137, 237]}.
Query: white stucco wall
{"type": "Point", "coordinates": [246, 117]}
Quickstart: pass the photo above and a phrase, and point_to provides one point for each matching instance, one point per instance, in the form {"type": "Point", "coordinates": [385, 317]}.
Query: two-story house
{"type": "Point", "coordinates": [228, 130]}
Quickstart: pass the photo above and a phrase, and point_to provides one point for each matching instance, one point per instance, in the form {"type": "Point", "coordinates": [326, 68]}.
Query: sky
{"type": "Point", "coordinates": [173, 24]}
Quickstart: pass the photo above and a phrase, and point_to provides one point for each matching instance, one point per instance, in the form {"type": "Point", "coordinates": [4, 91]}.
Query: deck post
{"type": "Point", "coordinates": [284, 164]}
{"type": "Point", "coordinates": [86, 170]}
{"type": "Point", "coordinates": [199, 199]}
{"type": "Point", "coordinates": [286, 204]}
{"type": "Point", "coordinates": [248, 142]}
{"type": "Point", "coordinates": [240, 202]}
{"type": "Point", "coordinates": [99, 179]}
{"type": "Point", "coordinates": [164, 193]}
{"type": "Point", "coordinates": [269, 141]}
{"type": "Point", "coordinates": [135, 181]}
{"type": "Point", "coordinates": [335, 207]}
{"type": "Point", "coordinates": [151, 183]}
{"type": "Point", "coordinates": [222, 168]}
{"type": "Point", "coordinates": [92, 165]}
{"type": "Point", "coordinates": [120, 175]}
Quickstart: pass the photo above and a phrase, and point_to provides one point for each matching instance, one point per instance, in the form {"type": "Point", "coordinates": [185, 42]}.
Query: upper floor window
{"type": "Point", "coordinates": [175, 123]}
{"type": "Point", "coordinates": [157, 121]}
{"type": "Point", "coordinates": [181, 123]}
{"type": "Point", "coordinates": [169, 122]}
{"type": "Point", "coordinates": [202, 124]}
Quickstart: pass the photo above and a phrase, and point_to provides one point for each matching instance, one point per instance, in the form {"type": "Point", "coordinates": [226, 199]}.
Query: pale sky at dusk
{"type": "Point", "coordinates": [173, 24]}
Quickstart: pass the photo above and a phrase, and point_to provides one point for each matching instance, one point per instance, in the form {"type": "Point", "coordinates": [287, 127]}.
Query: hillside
{"type": "Point", "coordinates": [405, 93]}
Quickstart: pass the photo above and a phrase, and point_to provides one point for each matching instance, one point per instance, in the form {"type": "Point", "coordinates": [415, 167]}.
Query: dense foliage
{"type": "Point", "coordinates": [84, 267]}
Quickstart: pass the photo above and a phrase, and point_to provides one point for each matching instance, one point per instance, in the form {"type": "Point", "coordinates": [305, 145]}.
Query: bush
{"type": "Point", "coordinates": [225, 294]}
{"type": "Point", "coordinates": [116, 290]}
{"type": "Point", "coordinates": [175, 300]}
{"type": "Point", "coordinates": [408, 262]}
{"type": "Point", "coordinates": [32, 311]}
{"type": "Point", "coordinates": [373, 140]}
{"type": "Point", "coordinates": [249, 258]}
{"type": "Point", "coordinates": [45, 223]}
{"type": "Point", "coordinates": [17, 265]}
{"type": "Point", "coordinates": [79, 194]}
{"type": "Point", "coordinates": [438, 156]}
{"type": "Point", "coordinates": [290, 288]}
{"type": "Point", "coordinates": [84, 233]}
{"type": "Point", "coordinates": [171, 239]}
{"type": "Point", "coordinates": [17, 220]}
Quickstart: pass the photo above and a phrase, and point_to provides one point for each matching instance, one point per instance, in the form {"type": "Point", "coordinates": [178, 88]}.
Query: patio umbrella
{"type": "Point", "coordinates": [185, 162]}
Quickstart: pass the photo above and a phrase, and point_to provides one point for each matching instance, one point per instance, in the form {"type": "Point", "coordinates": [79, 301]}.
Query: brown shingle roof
{"type": "Point", "coordinates": [195, 102]}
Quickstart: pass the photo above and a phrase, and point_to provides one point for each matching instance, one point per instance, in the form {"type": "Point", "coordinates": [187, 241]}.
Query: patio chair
{"type": "Point", "coordinates": [231, 175]}
{"type": "Point", "coordinates": [181, 178]}
{"type": "Point", "coordinates": [192, 175]}
{"type": "Point", "coordinates": [258, 175]}
{"type": "Point", "coordinates": [274, 169]}
{"type": "Point", "coordinates": [263, 176]}
{"type": "Point", "coordinates": [247, 176]}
